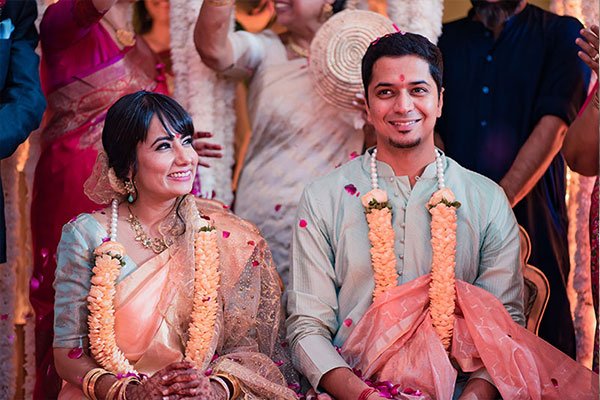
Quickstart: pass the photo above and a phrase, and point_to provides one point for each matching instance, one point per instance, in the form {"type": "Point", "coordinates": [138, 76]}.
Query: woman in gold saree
{"type": "Point", "coordinates": [162, 295]}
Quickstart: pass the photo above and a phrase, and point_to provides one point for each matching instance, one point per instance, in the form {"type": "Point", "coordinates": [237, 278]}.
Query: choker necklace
{"type": "Point", "coordinates": [297, 49]}
{"type": "Point", "coordinates": [442, 207]}
{"type": "Point", "coordinates": [157, 245]}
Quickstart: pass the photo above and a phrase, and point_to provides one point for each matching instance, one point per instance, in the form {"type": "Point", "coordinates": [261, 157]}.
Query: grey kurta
{"type": "Point", "coordinates": [331, 278]}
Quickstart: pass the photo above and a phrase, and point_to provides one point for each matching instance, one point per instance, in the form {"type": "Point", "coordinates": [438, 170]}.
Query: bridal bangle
{"type": "Point", "coordinates": [118, 390]}
{"type": "Point", "coordinates": [89, 382]}
{"type": "Point", "coordinates": [232, 384]}
{"type": "Point", "coordinates": [222, 383]}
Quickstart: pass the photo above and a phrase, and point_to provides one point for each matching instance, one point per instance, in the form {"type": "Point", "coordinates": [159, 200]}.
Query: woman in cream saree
{"type": "Point", "coordinates": [155, 302]}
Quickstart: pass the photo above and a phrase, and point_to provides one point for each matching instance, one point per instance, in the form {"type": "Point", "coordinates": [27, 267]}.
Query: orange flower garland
{"type": "Point", "coordinates": [442, 289]}
{"type": "Point", "coordinates": [383, 259]}
{"type": "Point", "coordinates": [442, 207]}
{"type": "Point", "coordinates": [101, 321]}
{"type": "Point", "coordinates": [206, 284]}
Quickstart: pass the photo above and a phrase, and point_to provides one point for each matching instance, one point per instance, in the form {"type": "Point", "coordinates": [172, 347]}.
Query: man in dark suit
{"type": "Point", "coordinates": [21, 100]}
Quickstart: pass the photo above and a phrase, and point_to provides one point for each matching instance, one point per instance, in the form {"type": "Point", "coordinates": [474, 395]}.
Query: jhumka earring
{"type": "Point", "coordinates": [326, 12]}
{"type": "Point", "coordinates": [130, 190]}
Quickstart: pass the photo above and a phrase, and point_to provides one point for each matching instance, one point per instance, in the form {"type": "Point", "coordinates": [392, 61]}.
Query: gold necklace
{"type": "Point", "coordinates": [299, 50]}
{"type": "Point", "coordinates": [157, 245]}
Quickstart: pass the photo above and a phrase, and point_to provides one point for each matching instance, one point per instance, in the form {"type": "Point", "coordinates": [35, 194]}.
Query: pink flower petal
{"type": "Point", "coordinates": [348, 322]}
{"type": "Point", "coordinates": [251, 243]}
{"type": "Point", "coordinates": [351, 189]}
{"type": "Point", "coordinates": [3, 317]}
{"type": "Point", "coordinates": [353, 155]}
{"type": "Point", "coordinates": [225, 206]}
{"type": "Point", "coordinates": [302, 223]}
{"type": "Point", "coordinates": [554, 382]}
{"type": "Point", "coordinates": [279, 363]}
{"type": "Point", "coordinates": [277, 207]}
{"type": "Point", "coordinates": [106, 239]}
{"type": "Point", "coordinates": [75, 353]}
{"type": "Point", "coordinates": [255, 263]}
{"type": "Point", "coordinates": [208, 372]}
{"type": "Point", "coordinates": [226, 234]}
{"type": "Point", "coordinates": [214, 357]}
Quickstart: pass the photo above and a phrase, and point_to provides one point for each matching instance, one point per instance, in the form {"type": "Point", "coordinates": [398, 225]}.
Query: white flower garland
{"type": "Point", "coordinates": [423, 17]}
{"type": "Point", "coordinates": [208, 99]}
{"type": "Point", "coordinates": [101, 321]}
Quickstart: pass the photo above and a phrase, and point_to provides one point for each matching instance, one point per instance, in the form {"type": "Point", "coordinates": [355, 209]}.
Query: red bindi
{"type": "Point", "coordinates": [401, 77]}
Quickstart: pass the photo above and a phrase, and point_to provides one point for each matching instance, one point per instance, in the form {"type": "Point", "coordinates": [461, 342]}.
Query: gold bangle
{"type": "Point", "coordinates": [123, 388]}
{"type": "Point", "coordinates": [219, 3]}
{"type": "Point", "coordinates": [89, 381]}
{"type": "Point", "coordinates": [112, 392]}
{"type": "Point", "coordinates": [221, 383]}
{"type": "Point", "coordinates": [235, 385]}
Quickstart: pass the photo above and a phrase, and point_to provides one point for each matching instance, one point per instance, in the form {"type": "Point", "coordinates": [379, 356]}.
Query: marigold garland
{"type": "Point", "coordinates": [442, 289]}
{"type": "Point", "coordinates": [101, 321]}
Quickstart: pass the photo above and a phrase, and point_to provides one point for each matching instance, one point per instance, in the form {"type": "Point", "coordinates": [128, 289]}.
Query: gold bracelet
{"type": "Point", "coordinates": [218, 3]}
{"type": "Point", "coordinates": [221, 383]}
{"type": "Point", "coordinates": [89, 381]}
{"type": "Point", "coordinates": [112, 392]}
{"type": "Point", "coordinates": [123, 388]}
{"type": "Point", "coordinates": [235, 385]}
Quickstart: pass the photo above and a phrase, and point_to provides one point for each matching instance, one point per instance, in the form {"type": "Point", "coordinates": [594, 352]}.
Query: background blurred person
{"type": "Point", "coordinates": [296, 136]}
{"type": "Point", "coordinates": [580, 149]}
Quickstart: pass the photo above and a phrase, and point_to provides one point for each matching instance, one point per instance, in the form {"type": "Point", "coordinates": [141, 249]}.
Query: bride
{"type": "Point", "coordinates": [161, 295]}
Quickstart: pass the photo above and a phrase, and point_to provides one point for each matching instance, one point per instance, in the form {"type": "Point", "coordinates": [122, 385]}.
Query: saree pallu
{"type": "Point", "coordinates": [395, 341]}
{"type": "Point", "coordinates": [153, 307]}
{"type": "Point", "coordinates": [71, 137]}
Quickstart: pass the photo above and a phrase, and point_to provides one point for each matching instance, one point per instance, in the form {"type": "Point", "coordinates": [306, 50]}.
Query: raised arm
{"type": "Point", "coordinates": [211, 34]}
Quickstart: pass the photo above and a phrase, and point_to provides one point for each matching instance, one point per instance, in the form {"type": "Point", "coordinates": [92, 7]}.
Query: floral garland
{"type": "Point", "coordinates": [442, 207]}
{"type": "Point", "coordinates": [101, 321]}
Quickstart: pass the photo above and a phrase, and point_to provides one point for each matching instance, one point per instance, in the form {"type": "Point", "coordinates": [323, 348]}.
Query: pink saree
{"type": "Point", "coordinates": [395, 341]}
{"type": "Point", "coordinates": [83, 73]}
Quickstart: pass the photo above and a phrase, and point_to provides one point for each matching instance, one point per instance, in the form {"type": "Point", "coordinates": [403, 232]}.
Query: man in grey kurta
{"type": "Point", "coordinates": [331, 280]}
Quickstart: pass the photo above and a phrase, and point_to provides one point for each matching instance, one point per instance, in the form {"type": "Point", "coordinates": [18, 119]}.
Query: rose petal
{"type": "Point", "coordinates": [225, 206]}
{"type": "Point", "coordinates": [302, 223]}
{"type": "Point", "coordinates": [3, 317]}
{"type": "Point", "coordinates": [279, 363]}
{"type": "Point", "coordinates": [554, 382]}
{"type": "Point", "coordinates": [106, 239]}
{"type": "Point", "coordinates": [348, 322]}
{"type": "Point", "coordinates": [353, 155]}
{"type": "Point", "coordinates": [226, 234]}
{"type": "Point", "coordinates": [255, 263]}
{"type": "Point", "coordinates": [75, 353]}
{"type": "Point", "coordinates": [251, 243]}
{"type": "Point", "coordinates": [277, 207]}
{"type": "Point", "coordinates": [351, 189]}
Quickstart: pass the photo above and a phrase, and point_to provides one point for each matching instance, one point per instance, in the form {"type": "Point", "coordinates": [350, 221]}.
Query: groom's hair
{"type": "Point", "coordinates": [400, 44]}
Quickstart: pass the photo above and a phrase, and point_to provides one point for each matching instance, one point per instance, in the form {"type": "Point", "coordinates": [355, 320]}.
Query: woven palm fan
{"type": "Point", "coordinates": [337, 50]}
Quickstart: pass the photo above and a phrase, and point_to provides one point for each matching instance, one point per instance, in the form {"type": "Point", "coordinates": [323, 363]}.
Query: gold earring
{"type": "Point", "coordinates": [326, 12]}
{"type": "Point", "coordinates": [130, 188]}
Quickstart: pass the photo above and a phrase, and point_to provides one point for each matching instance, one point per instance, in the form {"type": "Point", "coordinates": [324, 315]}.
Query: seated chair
{"type": "Point", "coordinates": [537, 288]}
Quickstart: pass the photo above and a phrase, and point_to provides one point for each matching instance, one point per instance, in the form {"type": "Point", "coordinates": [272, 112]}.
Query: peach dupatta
{"type": "Point", "coordinates": [395, 341]}
{"type": "Point", "coordinates": [142, 330]}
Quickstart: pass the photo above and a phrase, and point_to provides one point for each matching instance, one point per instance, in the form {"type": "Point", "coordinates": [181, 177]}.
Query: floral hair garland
{"type": "Point", "coordinates": [442, 207]}
{"type": "Point", "coordinates": [101, 321]}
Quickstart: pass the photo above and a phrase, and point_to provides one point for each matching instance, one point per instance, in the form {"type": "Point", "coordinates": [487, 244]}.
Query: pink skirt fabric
{"type": "Point", "coordinates": [395, 341]}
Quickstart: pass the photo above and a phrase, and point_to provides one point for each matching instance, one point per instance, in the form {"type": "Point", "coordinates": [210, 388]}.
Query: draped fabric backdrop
{"type": "Point", "coordinates": [206, 97]}
{"type": "Point", "coordinates": [579, 190]}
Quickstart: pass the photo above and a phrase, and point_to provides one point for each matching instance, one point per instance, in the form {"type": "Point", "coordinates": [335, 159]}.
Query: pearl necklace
{"type": "Point", "coordinates": [439, 169]}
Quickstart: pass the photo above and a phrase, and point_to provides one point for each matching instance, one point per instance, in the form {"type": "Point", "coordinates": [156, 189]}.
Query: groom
{"type": "Point", "coordinates": [332, 279]}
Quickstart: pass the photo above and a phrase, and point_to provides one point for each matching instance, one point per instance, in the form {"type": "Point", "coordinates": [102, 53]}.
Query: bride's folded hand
{"type": "Point", "coordinates": [175, 381]}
